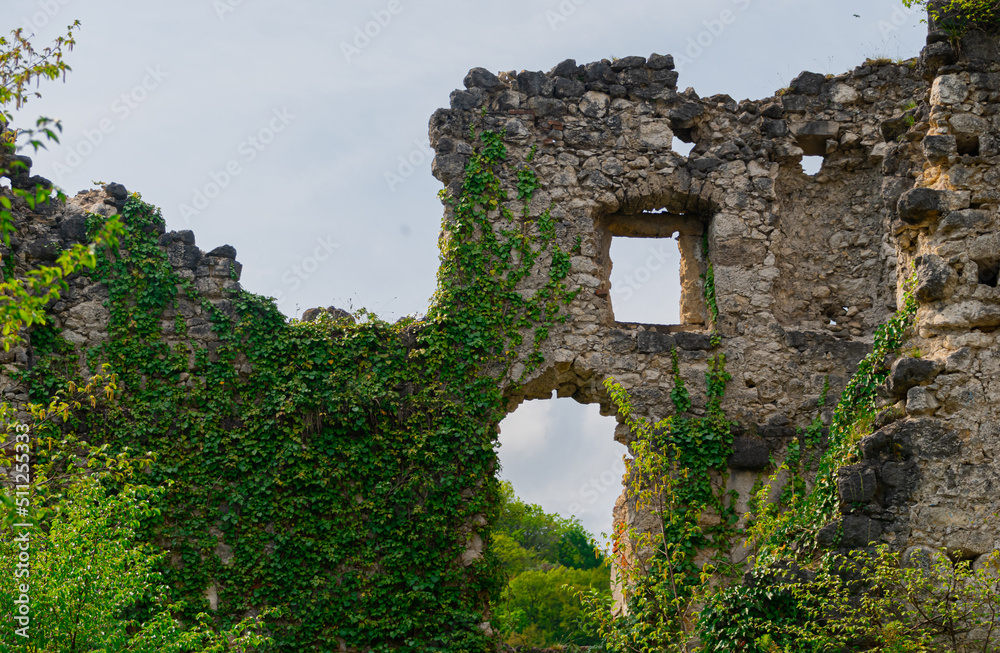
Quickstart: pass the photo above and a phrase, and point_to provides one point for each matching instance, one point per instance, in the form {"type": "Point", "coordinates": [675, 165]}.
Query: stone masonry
{"type": "Point", "coordinates": [805, 266]}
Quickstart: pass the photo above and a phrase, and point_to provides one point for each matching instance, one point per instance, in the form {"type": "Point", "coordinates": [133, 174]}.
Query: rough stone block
{"type": "Point", "coordinates": [856, 484]}
{"type": "Point", "coordinates": [73, 229]}
{"type": "Point", "coordinates": [922, 438]}
{"type": "Point", "coordinates": [467, 100]}
{"type": "Point", "coordinates": [481, 78]}
{"type": "Point", "coordinates": [223, 251]}
{"type": "Point", "coordinates": [534, 83]}
{"type": "Point", "coordinates": [566, 68]}
{"type": "Point", "coordinates": [566, 88]}
{"type": "Point", "coordinates": [628, 62]}
{"type": "Point", "coordinates": [937, 148]}
{"type": "Point", "coordinates": [660, 62]}
{"type": "Point", "coordinates": [850, 532]}
{"type": "Point", "coordinates": [949, 89]}
{"type": "Point", "coordinates": [967, 220]}
{"type": "Point", "coordinates": [909, 372]}
{"type": "Point", "coordinates": [693, 341]}
{"type": "Point", "coordinates": [920, 206]}
{"type": "Point", "coordinates": [749, 453]}
{"type": "Point", "coordinates": [654, 342]}
{"type": "Point", "coordinates": [936, 55]}
{"type": "Point", "coordinates": [808, 83]}
{"type": "Point", "coordinates": [920, 401]}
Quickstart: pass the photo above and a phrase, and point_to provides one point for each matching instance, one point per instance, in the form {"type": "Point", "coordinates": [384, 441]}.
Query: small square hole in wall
{"type": "Point", "coordinates": [988, 272]}
{"type": "Point", "coordinates": [811, 165]}
{"type": "Point", "coordinates": [968, 145]}
{"type": "Point", "coordinates": [646, 280]}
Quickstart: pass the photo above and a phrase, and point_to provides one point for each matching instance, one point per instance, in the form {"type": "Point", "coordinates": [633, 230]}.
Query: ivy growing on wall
{"type": "Point", "coordinates": [335, 470]}
{"type": "Point", "coordinates": [677, 476]}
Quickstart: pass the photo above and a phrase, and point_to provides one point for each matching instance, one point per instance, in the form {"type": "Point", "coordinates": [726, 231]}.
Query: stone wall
{"type": "Point", "coordinates": [81, 314]}
{"type": "Point", "coordinates": [806, 266]}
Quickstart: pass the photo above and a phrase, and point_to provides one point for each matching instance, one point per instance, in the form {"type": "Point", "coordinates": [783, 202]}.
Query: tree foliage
{"type": "Point", "coordinates": [89, 583]}
{"type": "Point", "coordinates": [548, 561]}
{"type": "Point", "coordinates": [958, 16]}
{"type": "Point", "coordinates": [23, 300]}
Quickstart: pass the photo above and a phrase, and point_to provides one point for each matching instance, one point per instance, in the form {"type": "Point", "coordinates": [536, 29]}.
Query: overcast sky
{"type": "Point", "coordinates": [296, 131]}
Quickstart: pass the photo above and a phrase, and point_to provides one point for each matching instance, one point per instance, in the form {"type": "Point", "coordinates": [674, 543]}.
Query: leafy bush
{"type": "Point", "coordinates": [93, 586]}
{"type": "Point", "coordinates": [864, 602]}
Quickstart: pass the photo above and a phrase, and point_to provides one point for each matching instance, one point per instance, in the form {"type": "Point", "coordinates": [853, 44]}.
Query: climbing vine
{"type": "Point", "coordinates": [333, 470]}
{"type": "Point", "coordinates": [709, 292]}
{"type": "Point", "coordinates": [959, 16]}
{"type": "Point", "coordinates": [676, 474]}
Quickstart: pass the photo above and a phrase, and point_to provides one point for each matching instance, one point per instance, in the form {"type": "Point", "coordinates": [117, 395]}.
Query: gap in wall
{"type": "Point", "coordinates": [811, 165]}
{"type": "Point", "coordinates": [646, 280]}
{"type": "Point", "coordinates": [682, 148]}
{"type": "Point", "coordinates": [562, 455]}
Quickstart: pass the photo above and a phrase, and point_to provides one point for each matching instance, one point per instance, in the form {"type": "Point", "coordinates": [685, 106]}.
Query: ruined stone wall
{"type": "Point", "coordinates": [805, 266]}
{"type": "Point", "coordinates": [81, 314]}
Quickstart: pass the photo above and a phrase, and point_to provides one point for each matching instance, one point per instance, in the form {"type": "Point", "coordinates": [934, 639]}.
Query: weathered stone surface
{"type": "Point", "coordinates": [750, 453]}
{"type": "Point", "coordinates": [73, 229]}
{"type": "Point", "coordinates": [920, 205]}
{"type": "Point", "coordinates": [567, 68]}
{"type": "Point", "coordinates": [653, 342]}
{"type": "Point", "coordinates": [805, 267]}
{"type": "Point", "coordinates": [856, 484]}
{"type": "Point", "coordinates": [660, 62]}
{"type": "Point", "coordinates": [948, 90]}
{"type": "Point", "coordinates": [851, 532]}
{"type": "Point", "coordinates": [937, 54]}
{"type": "Point", "coordinates": [465, 100]}
{"type": "Point", "coordinates": [808, 83]}
{"type": "Point", "coordinates": [117, 191]}
{"type": "Point", "coordinates": [223, 251]}
{"type": "Point", "coordinates": [481, 78]}
{"type": "Point", "coordinates": [934, 277]}
{"type": "Point", "coordinates": [937, 148]}
{"type": "Point", "coordinates": [920, 401]}
{"type": "Point", "coordinates": [535, 83]}
{"type": "Point", "coordinates": [909, 372]}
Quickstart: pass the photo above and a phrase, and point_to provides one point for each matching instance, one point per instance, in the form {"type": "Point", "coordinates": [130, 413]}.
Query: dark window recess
{"type": "Point", "coordinates": [988, 272]}
{"type": "Point", "coordinates": [968, 145]}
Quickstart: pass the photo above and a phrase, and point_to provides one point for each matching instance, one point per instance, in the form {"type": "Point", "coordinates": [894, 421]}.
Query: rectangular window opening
{"type": "Point", "coordinates": [652, 283]}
